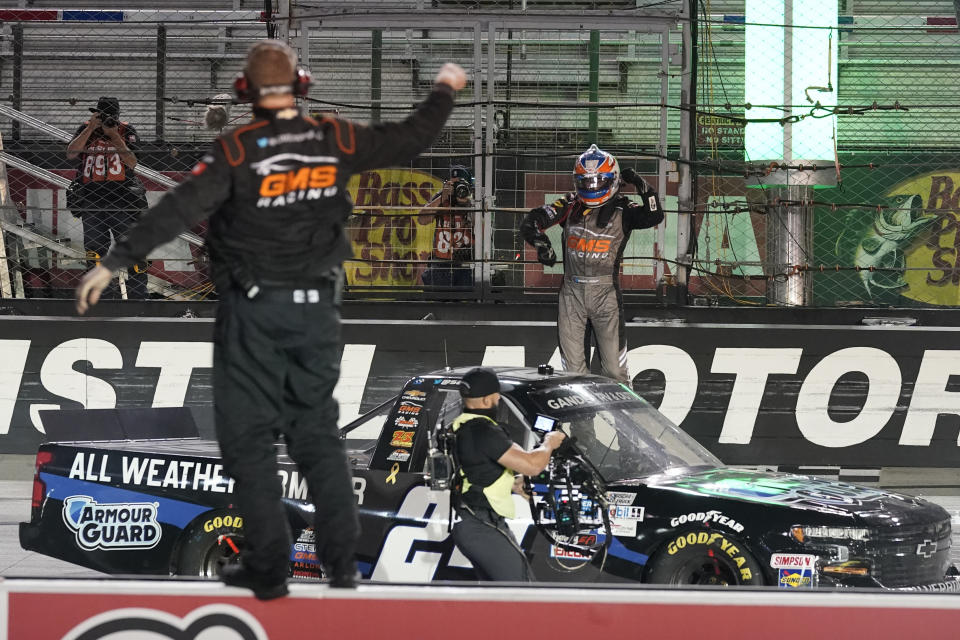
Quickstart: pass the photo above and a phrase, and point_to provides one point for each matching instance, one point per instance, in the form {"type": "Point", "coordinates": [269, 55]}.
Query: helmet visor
{"type": "Point", "coordinates": [593, 182]}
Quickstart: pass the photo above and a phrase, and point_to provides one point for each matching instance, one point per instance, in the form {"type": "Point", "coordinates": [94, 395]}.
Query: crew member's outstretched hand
{"type": "Point", "coordinates": [90, 288]}
{"type": "Point", "coordinates": [453, 75]}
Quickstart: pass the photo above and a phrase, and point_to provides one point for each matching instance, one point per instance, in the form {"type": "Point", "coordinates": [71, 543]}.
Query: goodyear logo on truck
{"type": "Point", "coordinates": [123, 525]}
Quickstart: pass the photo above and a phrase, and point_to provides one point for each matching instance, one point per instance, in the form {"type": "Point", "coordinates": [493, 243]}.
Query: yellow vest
{"type": "Point", "coordinates": [498, 494]}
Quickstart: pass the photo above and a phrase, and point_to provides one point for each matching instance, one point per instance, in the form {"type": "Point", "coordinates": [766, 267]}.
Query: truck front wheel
{"type": "Point", "coordinates": [704, 557]}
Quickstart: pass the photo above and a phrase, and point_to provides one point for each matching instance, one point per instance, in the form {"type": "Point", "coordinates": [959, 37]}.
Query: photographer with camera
{"type": "Point", "coordinates": [106, 195]}
{"type": "Point", "coordinates": [452, 256]}
{"type": "Point", "coordinates": [597, 220]}
{"type": "Point", "coordinates": [488, 461]}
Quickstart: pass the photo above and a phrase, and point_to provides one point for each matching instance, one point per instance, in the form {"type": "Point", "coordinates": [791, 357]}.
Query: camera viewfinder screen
{"type": "Point", "coordinates": [544, 424]}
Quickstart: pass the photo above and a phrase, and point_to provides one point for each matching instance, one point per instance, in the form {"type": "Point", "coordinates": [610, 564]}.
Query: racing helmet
{"type": "Point", "coordinates": [596, 176]}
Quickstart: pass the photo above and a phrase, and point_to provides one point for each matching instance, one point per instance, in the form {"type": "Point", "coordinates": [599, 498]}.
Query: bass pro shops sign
{"type": "Point", "coordinates": [759, 394]}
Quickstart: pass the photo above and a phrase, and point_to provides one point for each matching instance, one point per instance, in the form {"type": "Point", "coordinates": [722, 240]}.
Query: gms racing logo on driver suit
{"type": "Point", "coordinates": [124, 525]}
{"type": "Point", "coordinates": [587, 244]}
{"type": "Point", "coordinates": [291, 177]}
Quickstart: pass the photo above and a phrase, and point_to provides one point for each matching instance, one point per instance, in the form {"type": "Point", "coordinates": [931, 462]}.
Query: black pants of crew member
{"type": "Point", "coordinates": [484, 537]}
{"type": "Point", "coordinates": [97, 227]}
{"type": "Point", "coordinates": [276, 363]}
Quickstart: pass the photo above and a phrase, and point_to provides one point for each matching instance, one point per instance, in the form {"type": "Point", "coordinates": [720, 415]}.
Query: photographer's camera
{"type": "Point", "coordinates": [461, 191]}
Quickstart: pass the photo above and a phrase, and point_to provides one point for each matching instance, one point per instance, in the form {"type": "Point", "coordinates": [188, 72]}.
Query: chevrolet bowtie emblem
{"type": "Point", "coordinates": [927, 548]}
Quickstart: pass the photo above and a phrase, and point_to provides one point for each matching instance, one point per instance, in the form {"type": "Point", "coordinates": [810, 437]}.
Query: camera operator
{"type": "Point", "coordinates": [107, 196]}
{"type": "Point", "coordinates": [452, 255]}
{"type": "Point", "coordinates": [488, 461]}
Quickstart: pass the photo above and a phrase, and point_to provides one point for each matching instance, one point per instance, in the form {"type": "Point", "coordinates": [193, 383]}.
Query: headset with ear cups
{"type": "Point", "coordinates": [246, 92]}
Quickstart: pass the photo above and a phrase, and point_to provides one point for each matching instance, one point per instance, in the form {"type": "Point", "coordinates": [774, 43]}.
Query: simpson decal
{"type": "Point", "coordinates": [108, 526]}
{"type": "Point", "coordinates": [792, 561]}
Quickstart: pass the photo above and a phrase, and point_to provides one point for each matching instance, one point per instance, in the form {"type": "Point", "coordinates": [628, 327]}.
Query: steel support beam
{"type": "Point", "coordinates": [478, 220]}
{"type": "Point", "coordinates": [658, 266]}
{"type": "Point", "coordinates": [686, 188]}
{"type": "Point", "coordinates": [17, 92]}
{"type": "Point", "coordinates": [488, 202]}
{"type": "Point", "coordinates": [161, 83]}
{"type": "Point", "coordinates": [376, 74]}
{"type": "Point", "coordinates": [545, 20]}
{"type": "Point", "coordinates": [593, 119]}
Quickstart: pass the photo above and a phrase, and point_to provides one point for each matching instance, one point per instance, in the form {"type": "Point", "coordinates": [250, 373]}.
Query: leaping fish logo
{"type": "Point", "coordinates": [883, 243]}
{"type": "Point", "coordinates": [295, 160]}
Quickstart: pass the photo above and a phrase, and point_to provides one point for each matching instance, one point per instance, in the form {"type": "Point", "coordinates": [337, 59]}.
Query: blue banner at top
{"type": "Point", "coordinates": [92, 16]}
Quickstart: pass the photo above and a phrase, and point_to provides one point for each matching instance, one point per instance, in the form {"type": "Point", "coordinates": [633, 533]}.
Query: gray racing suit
{"type": "Point", "coordinates": [593, 241]}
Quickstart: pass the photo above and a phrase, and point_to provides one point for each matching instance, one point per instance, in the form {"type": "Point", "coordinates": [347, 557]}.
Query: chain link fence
{"type": "Point", "coordinates": [823, 172]}
{"type": "Point", "coordinates": [102, 112]}
{"type": "Point", "coordinates": [547, 80]}
{"type": "Point", "coordinates": [868, 217]}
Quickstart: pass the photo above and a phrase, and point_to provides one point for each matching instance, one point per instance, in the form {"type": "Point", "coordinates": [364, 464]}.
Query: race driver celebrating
{"type": "Point", "coordinates": [597, 220]}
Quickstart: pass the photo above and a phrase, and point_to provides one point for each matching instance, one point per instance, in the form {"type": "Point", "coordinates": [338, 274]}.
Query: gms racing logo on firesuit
{"type": "Point", "coordinates": [124, 525]}
{"type": "Point", "coordinates": [583, 243]}
{"type": "Point", "coordinates": [286, 180]}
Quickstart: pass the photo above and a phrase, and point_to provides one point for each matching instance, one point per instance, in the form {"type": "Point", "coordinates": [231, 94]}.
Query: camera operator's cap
{"type": "Point", "coordinates": [107, 105]}
{"type": "Point", "coordinates": [479, 382]}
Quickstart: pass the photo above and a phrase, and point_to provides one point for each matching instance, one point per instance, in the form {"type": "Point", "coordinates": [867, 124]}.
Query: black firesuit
{"type": "Point", "coordinates": [594, 241]}
{"type": "Point", "coordinates": [276, 194]}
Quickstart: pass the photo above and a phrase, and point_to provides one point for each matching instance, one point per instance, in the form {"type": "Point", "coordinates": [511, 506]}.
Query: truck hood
{"type": "Point", "coordinates": [799, 492]}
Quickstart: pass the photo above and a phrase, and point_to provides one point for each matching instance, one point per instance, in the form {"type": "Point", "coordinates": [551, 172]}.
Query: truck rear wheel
{"type": "Point", "coordinates": [704, 557]}
{"type": "Point", "coordinates": [210, 545]}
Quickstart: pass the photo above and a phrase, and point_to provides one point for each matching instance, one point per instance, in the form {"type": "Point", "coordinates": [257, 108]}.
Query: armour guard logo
{"type": "Point", "coordinates": [127, 525]}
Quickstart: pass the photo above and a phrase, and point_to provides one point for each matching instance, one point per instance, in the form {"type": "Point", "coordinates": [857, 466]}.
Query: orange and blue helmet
{"type": "Point", "coordinates": [596, 176]}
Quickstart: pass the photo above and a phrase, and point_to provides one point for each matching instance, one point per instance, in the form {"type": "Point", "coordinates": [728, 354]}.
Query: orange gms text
{"type": "Point", "coordinates": [277, 184]}
{"type": "Point", "coordinates": [582, 244]}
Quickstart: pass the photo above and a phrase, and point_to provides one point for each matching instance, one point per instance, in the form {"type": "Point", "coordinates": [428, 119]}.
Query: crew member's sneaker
{"type": "Point", "coordinates": [236, 575]}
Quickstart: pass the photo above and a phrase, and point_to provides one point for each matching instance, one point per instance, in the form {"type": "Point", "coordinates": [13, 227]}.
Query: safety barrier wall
{"type": "Point", "coordinates": [71, 610]}
{"type": "Point", "coordinates": [754, 395]}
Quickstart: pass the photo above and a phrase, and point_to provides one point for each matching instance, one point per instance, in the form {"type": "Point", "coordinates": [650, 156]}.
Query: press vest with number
{"type": "Point", "coordinates": [498, 494]}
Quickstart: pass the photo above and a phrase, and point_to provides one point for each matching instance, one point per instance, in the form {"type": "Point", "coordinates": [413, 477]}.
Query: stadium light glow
{"type": "Point", "coordinates": [783, 66]}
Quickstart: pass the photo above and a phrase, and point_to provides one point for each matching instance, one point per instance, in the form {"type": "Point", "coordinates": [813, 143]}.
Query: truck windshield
{"type": "Point", "coordinates": [619, 432]}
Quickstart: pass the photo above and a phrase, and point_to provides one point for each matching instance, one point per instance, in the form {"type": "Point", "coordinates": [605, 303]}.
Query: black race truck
{"type": "Point", "coordinates": [630, 498]}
